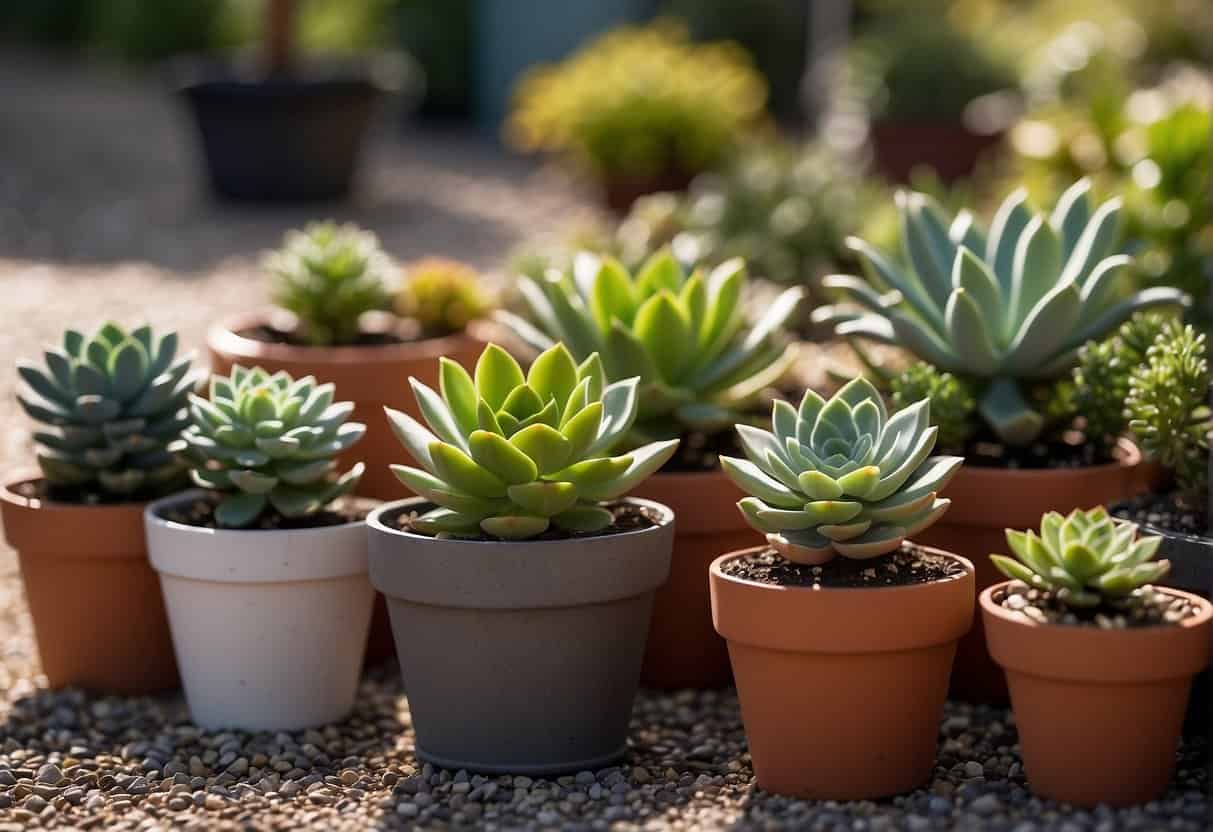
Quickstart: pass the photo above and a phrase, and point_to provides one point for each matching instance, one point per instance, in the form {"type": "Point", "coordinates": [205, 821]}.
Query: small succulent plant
{"type": "Point", "coordinates": [509, 455]}
{"type": "Point", "coordinates": [108, 407]}
{"type": "Point", "coordinates": [1084, 558]}
{"type": "Point", "coordinates": [952, 403]}
{"type": "Point", "coordinates": [442, 295]}
{"type": "Point", "coordinates": [1001, 308]}
{"type": "Point", "coordinates": [328, 276]}
{"type": "Point", "coordinates": [684, 336]}
{"type": "Point", "coordinates": [841, 477]}
{"type": "Point", "coordinates": [267, 443]}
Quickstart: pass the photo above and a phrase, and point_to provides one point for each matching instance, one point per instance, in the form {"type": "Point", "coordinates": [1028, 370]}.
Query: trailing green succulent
{"type": "Point", "coordinates": [510, 455]}
{"type": "Point", "coordinates": [108, 407]}
{"type": "Point", "coordinates": [1168, 408]}
{"type": "Point", "coordinates": [952, 403]}
{"type": "Point", "coordinates": [684, 336]}
{"type": "Point", "coordinates": [841, 477]}
{"type": "Point", "coordinates": [328, 276]}
{"type": "Point", "coordinates": [1083, 559]}
{"type": "Point", "coordinates": [442, 295]}
{"type": "Point", "coordinates": [1003, 308]}
{"type": "Point", "coordinates": [267, 443]}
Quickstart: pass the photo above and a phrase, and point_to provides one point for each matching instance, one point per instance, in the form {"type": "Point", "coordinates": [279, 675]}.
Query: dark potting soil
{"type": "Point", "coordinates": [907, 566]}
{"type": "Point", "coordinates": [699, 452]}
{"type": "Point", "coordinates": [1166, 512]}
{"type": "Point", "coordinates": [987, 452]}
{"type": "Point", "coordinates": [1146, 607]}
{"type": "Point", "coordinates": [40, 489]}
{"type": "Point", "coordinates": [628, 518]}
{"type": "Point", "coordinates": [201, 513]}
{"type": "Point", "coordinates": [272, 335]}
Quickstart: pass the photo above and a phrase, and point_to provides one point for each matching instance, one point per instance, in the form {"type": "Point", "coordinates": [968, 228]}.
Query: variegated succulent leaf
{"type": "Point", "coordinates": [841, 476]}
{"type": "Point", "coordinates": [268, 443]}
{"type": "Point", "coordinates": [107, 408]}
{"type": "Point", "coordinates": [1084, 559]}
{"type": "Point", "coordinates": [1002, 306]}
{"type": "Point", "coordinates": [511, 454]}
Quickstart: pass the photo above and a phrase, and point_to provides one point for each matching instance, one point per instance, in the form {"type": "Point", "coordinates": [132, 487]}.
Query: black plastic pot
{"type": "Point", "coordinates": [281, 138]}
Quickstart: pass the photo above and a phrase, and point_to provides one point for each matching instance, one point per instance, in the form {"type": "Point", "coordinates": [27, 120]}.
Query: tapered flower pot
{"type": "Point", "coordinates": [98, 615]}
{"type": "Point", "coordinates": [988, 501]}
{"type": "Point", "coordinates": [1099, 712]}
{"type": "Point", "coordinates": [684, 650]}
{"type": "Point", "coordinates": [948, 148]}
{"type": "Point", "coordinates": [520, 656]}
{"type": "Point", "coordinates": [841, 689]}
{"type": "Point", "coordinates": [269, 626]}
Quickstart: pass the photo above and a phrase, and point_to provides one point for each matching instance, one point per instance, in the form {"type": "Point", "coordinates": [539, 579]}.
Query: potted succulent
{"type": "Point", "coordinates": [839, 607]}
{"type": "Point", "coordinates": [641, 109]}
{"type": "Point", "coordinates": [520, 582]}
{"type": "Point", "coordinates": [1005, 312]}
{"type": "Point", "coordinates": [1087, 645]}
{"type": "Point", "coordinates": [701, 366]}
{"type": "Point", "coordinates": [264, 571]}
{"type": "Point", "coordinates": [106, 407]}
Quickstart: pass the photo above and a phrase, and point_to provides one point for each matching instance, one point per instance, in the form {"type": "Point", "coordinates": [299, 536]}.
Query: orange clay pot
{"type": "Point", "coordinates": [683, 650]}
{"type": "Point", "coordinates": [372, 377]}
{"type": "Point", "coordinates": [98, 614]}
{"type": "Point", "coordinates": [841, 690]}
{"type": "Point", "coordinates": [988, 501]}
{"type": "Point", "coordinates": [1099, 712]}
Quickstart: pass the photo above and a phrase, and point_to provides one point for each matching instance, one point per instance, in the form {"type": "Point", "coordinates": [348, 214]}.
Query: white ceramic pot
{"type": "Point", "coordinates": [269, 627]}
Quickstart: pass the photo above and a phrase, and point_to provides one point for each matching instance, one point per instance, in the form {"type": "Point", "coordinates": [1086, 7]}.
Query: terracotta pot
{"type": "Point", "coordinates": [841, 690]}
{"type": "Point", "coordinates": [621, 192]}
{"type": "Point", "coordinates": [1099, 712]}
{"type": "Point", "coordinates": [947, 147]}
{"type": "Point", "coordinates": [986, 502]}
{"type": "Point", "coordinates": [98, 615]}
{"type": "Point", "coordinates": [684, 650]}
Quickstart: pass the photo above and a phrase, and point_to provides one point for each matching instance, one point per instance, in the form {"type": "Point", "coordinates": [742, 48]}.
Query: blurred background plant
{"type": "Point", "coordinates": [442, 295]}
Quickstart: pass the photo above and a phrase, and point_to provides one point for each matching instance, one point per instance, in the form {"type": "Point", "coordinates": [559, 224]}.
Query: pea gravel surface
{"type": "Point", "coordinates": [101, 216]}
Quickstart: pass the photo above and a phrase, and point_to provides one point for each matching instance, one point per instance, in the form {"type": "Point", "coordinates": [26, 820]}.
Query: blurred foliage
{"type": "Point", "coordinates": [953, 407]}
{"type": "Point", "coordinates": [442, 295]}
{"type": "Point", "coordinates": [640, 101]}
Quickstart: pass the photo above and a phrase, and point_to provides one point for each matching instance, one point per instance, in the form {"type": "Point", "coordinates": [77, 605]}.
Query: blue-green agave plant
{"type": "Point", "coordinates": [1014, 304]}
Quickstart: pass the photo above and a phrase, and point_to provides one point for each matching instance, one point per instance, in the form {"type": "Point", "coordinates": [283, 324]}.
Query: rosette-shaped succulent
{"type": "Point", "coordinates": [442, 295]}
{"type": "Point", "coordinates": [268, 442]}
{"type": "Point", "coordinates": [510, 455]}
{"type": "Point", "coordinates": [841, 477]}
{"type": "Point", "coordinates": [1014, 304]}
{"type": "Point", "coordinates": [685, 337]}
{"type": "Point", "coordinates": [328, 276]}
{"type": "Point", "coordinates": [109, 406]}
{"type": "Point", "coordinates": [1084, 558]}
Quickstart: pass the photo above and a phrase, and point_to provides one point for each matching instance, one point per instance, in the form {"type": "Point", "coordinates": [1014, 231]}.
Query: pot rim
{"type": "Point", "coordinates": [1203, 616]}
{"type": "Point", "coordinates": [22, 475]}
{"type": "Point", "coordinates": [151, 517]}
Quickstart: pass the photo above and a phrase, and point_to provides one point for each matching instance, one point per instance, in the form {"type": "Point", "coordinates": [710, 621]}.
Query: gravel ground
{"type": "Point", "coordinates": [100, 210]}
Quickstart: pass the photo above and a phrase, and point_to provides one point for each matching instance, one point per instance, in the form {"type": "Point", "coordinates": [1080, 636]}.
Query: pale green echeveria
{"type": "Point", "coordinates": [686, 337]}
{"type": "Point", "coordinates": [510, 455]}
{"type": "Point", "coordinates": [269, 442]}
{"type": "Point", "coordinates": [1084, 558]}
{"type": "Point", "coordinates": [1014, 304]}
{"type": "Point", "coordinates": [841, 477]}
{"type": "Point", "coordinates": [108, 407]}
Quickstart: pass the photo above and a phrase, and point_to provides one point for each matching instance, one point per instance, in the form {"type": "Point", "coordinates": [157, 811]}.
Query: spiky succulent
{"type": "Point", "coordinates": [510, 455]}
{"type": "Point", "coordinates": [1014, 305]}
{"type": "Point", "coordinates": [684, 336]}
{"type": "Point", "coordinates": [328, 276]}
{"type": "Point", "coordinates": [442, 295]}
{"type": "Point", "coordinates": [267, 443]}
{"type": "Point", "coordinates": [841, 477]}
{"type": "Point", "coordinates": [1084, 558]}
{"type": "Point", "coordinates": [108, 407]}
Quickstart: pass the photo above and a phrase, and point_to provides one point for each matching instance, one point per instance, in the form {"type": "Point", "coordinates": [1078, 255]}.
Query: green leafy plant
{"type": "Point", "coordinates": [328, 276]}
{"type": "Point", "coordinates": [1084, 559]}
{"type": "Point", "coordinates": [1002, 308]}
{"type": "Point", "coordinates": [685, 337]}
{"type": "Point", "coordinates": [841, 477]}
{"type": "Point", "coordinates": [951, 401]}
{"type": "Point", "coordinates": [639, 102]}
{"type": "Point", "coordinates": [442, 295]}
{"type": "Point", "coordinates": [510, 455]}
{"type": "Point", "coordinates": [268, 443]}
{"type": "Point", "coordinates": [108, 407]}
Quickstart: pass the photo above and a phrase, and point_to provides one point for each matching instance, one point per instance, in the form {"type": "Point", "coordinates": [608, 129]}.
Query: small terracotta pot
{"type": "Point", "coordinates": [98, 615]}
{"type": "Point", "coordinates": [841, 690]}
{"type": "Point", "coordinates": [684, 650]}
{"type": "Point", "coordinates": [1099, 712]}
{"type": "Point", "coordinates": [621, 192]}
{"type": "Point", "coordinates": [949, 148]}
{"type": "Point", "coordinates": [988, 501]}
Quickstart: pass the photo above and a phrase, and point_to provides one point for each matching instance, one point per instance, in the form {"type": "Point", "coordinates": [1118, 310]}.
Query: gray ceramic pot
{"type": "Point", "coordinates": [522, 656]}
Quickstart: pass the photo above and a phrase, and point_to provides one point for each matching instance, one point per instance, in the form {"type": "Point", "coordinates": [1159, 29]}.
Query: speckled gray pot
{"type": "Point", "coordinates": [520, 656]}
